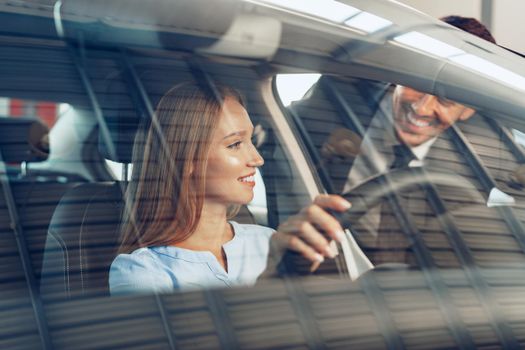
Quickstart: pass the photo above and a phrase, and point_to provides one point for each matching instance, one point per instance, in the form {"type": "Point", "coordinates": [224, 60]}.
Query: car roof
{"type": "Point", "coordinates": [280, 40]}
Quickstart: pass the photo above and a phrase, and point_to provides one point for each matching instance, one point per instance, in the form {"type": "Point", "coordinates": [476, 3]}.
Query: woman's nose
{"type": "Point", "coordinates": [426, 105]}
{"type": "Point", "coordinates": [255, 160]}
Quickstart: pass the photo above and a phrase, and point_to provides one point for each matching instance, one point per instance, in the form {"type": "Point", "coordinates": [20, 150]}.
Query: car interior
{"type": "Point", "coordinates": [70, 235]}
{"type": "Point", "coordinates": [61, 205]}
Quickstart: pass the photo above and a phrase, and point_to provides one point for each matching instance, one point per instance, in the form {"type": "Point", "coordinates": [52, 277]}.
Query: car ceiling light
{"type": "Point", "coordinates": [368, 22]}
{"type": "Point", "coordinates": [328, 9]}
{"type": "Point", "coordinates": [490, 69]}
{"type": "Point", "coordinates": [428, 44]}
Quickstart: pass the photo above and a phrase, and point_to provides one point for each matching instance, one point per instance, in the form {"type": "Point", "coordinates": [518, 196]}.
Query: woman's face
{"type": "Point", "coordinates": [232, 158]}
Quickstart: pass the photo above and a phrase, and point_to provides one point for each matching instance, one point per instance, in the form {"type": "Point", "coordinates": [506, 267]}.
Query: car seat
{"type": "Point", "coordinates": [27, 200]}
{"type": "Point", "coordinates": [83, 234]}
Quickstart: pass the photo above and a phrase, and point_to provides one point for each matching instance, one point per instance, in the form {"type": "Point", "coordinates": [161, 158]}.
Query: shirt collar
{"type": "Point", "coordinates": [421, 150]}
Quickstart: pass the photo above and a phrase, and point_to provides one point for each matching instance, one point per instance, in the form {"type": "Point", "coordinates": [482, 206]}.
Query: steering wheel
{"type": "Point", "coordinates": [375, 190]}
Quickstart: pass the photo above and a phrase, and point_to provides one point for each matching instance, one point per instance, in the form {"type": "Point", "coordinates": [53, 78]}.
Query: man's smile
{"type": "Point", "coordinates": [416, 122]}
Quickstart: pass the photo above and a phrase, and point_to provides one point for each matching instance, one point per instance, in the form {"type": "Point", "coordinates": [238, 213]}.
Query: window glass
{"type": "Point", "coordinates": [434, 246]}
{"type": "Point", "coordinates": [121, 103]}
{"type": "Point", "coordinates": [436, 183]}
{"type": "Point", "coordinates": [292, 87]}
{"type": "Point", "coordinates": [47, 112]}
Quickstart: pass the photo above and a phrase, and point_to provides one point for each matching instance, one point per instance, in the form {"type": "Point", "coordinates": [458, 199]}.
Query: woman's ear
{"type": "Point", "coordinates": [467, 113]}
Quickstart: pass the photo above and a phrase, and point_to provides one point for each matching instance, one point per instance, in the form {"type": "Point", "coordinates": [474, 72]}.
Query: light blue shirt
{"type": "Point", "coordinates": [169, 268]}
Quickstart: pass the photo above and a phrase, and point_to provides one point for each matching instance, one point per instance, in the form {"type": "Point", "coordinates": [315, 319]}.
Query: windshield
{"type": "Point", "coordinates": [153, 152]}
{"type": "Point", "coordinates": [453, 151]}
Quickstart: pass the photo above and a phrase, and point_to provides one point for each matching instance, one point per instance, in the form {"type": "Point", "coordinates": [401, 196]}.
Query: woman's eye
{"type": "Point", "coordinates": [235, 145]}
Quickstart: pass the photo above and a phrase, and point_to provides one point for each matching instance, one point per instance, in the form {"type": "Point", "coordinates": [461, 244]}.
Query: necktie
{"type": "Point", "coordinates": [402, 157]}
{"type": "Point", "coordinates": [391, 243]}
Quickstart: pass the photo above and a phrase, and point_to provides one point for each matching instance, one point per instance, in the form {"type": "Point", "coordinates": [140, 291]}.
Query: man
{"type": "Point", "coordinates": [403, 130]}
{"type": "Point", "coordinates": [418, 118]}
{"type": "Point", "coordinates": [419, 124]}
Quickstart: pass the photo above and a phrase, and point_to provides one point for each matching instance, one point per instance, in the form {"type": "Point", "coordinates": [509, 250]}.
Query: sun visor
{"type": "Point", "coordinates": [164, 24]}
{"type": "Point", "coordinates": [249, 36]}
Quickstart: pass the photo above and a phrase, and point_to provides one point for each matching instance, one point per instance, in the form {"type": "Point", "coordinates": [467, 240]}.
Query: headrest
{"type": "Point", "coordinates": [23, 139]}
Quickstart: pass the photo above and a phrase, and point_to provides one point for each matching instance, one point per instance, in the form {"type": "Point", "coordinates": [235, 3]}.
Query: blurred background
{"type": "Point", "coordinates": [504, 18]}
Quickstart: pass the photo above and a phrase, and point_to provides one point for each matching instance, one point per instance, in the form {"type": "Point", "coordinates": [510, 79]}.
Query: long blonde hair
{"type": "Point", "coordinates": [165, 196]}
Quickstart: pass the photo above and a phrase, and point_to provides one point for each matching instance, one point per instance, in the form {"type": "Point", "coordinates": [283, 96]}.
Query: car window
{"type": "Point", "coordinates": [453, 212]}
{"type": "Point", "coordinates": [434, 251]}
{"type": "Point", "coordinates": [48, 112]}
{"type": "Point", "coordinates": [348, 122]}
{"type": "Point", "coordinates": [121, 99]}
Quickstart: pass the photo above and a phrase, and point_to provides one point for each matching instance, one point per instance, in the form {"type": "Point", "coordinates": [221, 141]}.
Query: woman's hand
{"type": "Point", "coordinates": [303, 232]}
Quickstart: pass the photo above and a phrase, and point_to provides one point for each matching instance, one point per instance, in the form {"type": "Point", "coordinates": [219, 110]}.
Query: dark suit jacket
{"type": "Point", "coordinates": [482, 229]}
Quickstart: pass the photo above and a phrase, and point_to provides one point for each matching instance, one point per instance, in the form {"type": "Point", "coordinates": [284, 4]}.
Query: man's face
{"type": "Point", "coordinates": [418, 116]}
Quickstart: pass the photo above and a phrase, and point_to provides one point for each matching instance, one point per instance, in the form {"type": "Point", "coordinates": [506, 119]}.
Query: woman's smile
{"type": "Point", "coordinates": [248, 180]}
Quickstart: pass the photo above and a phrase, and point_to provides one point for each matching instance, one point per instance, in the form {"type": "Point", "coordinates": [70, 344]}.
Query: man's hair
{"type": "Point", "coordinates": [470, 25]}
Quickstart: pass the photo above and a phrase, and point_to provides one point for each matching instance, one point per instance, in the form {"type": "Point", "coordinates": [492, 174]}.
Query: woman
{"type": "Point", "coordinates": [192, 169]}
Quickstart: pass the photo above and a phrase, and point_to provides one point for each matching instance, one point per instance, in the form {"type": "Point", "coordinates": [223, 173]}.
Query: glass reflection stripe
{"type": "Point", "coordinates": [312, 150]}
{"type": "Point", "coordinates": [487, 182]}
{"type": "Point", "coordinates": [509, 138]}
{"type": "Point", "coordinates": [463, 253]}
{"type": "Point", "coordinates": [371, 289]}
{"type": "Point", "coordinates": [23, 251]}
{"type": "Point", "coordinates": [141, 91]}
